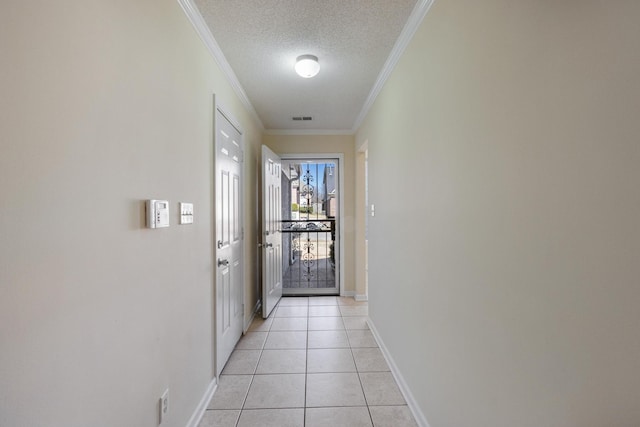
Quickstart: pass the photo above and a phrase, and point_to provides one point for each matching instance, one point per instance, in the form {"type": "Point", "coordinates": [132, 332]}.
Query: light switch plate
{"type": "Point", "coordinates": [186, 213]}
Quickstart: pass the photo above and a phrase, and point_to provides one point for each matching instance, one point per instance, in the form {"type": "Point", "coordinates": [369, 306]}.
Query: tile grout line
{"type": "Point", "coordinates": [366, 402]}
{"type": "Point", "coordinates": [307, 348]}
{"type": "Point", "coordinates": [253, 376]}
{"type": "Point", "coordinates": [306, 369]}
{"type": "Point", "coordinates": [255, 370]}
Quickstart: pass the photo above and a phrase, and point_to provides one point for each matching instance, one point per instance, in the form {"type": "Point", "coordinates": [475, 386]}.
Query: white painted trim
{"type": "Point", "coordinates": [410, 28]}
{"type": "Point", "coordinates": [348, 294]}
{"type": "Point", "coordinates": [340, 157]}
{"type": "Point", "coordinates": [202, 29]}
{"type": "Point", "coordinates": [363, 147]}
{"type": "Point", "coordinates": [227, 114]}
{"type": "Point", "coordinates": [290, 292]}
{"type": "Point", "coordinates": [204, 402]}
{"type": "Point", "coordinates": [361, 297]}
{"type": "Point", "coordinates": [308, 132]}
{"type": "Point", "coordinates": [421, 420]}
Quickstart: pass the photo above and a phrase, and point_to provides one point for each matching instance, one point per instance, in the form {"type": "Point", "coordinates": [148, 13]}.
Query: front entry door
{"type": "Point", "coordinates": [229, 259]}
{"type": "Point", "coordinates": [311, 226]}
{"type": "Point", "coordinates": [271, 234]}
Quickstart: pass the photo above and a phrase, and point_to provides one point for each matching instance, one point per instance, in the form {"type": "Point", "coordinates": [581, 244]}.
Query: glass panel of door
{"type": "Point", "coordinates": [309, 227]}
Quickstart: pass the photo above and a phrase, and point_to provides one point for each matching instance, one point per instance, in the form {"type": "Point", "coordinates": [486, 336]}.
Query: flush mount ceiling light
{"type": "Point", "coordinates": [307, 66]}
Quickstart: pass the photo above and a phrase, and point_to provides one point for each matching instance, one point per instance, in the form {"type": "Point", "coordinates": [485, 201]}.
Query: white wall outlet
{"type": "Point", "coordinates": [164, 405]}
{"type": "Point", "coordinates": [186, 213]}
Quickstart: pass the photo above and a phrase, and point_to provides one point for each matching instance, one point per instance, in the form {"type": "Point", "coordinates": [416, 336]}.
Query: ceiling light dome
{"type": "Point", "coordinates": [307, 66]}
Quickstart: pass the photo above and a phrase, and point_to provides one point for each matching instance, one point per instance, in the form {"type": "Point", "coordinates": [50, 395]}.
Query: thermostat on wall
{"type": "Point", "coordinates": [157, 213]}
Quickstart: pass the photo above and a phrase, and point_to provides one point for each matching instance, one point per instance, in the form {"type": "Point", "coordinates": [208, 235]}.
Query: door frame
{"type": "Point", "coordinates": [218, 107]}
{"type": "Point", "coordinates": [362, 215]}
{"type": "Point", "coordinates": [340, 223]}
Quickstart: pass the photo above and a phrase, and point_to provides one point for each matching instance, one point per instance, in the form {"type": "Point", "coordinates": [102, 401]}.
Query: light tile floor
{"type": "Point", "coordinates": [312, 363]}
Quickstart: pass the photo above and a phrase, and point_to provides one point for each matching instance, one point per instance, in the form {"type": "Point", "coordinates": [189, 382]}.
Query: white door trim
{"type": "Point", "coordinates": [340, 157]}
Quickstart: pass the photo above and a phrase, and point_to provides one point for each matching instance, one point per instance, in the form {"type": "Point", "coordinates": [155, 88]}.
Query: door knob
{"type": "Point", "coordinates": [222, 262]}
{"type": "Point", "coordinates": [268, 245]}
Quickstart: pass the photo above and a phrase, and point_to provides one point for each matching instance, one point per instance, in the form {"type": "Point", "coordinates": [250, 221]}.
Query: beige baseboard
{"type": "Point", "coordinates": [421, 420]}
{"type": "Point", "coordinates": [204, 402]}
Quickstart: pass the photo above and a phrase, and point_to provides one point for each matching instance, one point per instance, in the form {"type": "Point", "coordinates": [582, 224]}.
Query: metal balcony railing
{"type": "Point", "coordinates": [311, 249]}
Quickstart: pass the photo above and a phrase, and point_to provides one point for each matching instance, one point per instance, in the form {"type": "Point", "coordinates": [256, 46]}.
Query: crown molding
{"type": "Point", "coordinates": [413, 23]}
{"type": "Point", "coordinates": [308, 132]}
{"type": "Point", "coordinates": [201, 27]}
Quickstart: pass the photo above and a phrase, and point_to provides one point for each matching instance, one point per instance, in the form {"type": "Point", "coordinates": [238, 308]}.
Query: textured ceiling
{"type": "Point", "coordinates": [351, 38]}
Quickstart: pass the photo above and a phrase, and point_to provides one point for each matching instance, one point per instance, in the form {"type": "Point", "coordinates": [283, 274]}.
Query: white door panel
{"type": "Point", "coordinates": [229, 261]}
{"type": "Point", "coordinates": [271, 226]}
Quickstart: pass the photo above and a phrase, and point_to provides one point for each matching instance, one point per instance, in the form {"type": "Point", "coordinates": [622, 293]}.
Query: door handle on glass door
{"type": "Point", "coordinates": [222, 262]}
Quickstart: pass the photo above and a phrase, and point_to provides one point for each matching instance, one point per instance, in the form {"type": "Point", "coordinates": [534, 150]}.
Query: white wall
{"type": "Point", "coordinates": [105, 104]}
{"type": "Point", "coordinates": [504, 163]}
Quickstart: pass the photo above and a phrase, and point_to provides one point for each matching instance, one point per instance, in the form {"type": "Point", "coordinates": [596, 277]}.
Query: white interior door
{"type": "Point", "coordinates": [229, 258]}
{"type": "Point", "coordinates": [271, 226]}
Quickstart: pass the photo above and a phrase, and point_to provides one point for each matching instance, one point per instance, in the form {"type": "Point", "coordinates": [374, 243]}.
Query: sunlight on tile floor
{"type": "Point", "coordinates": [312, 363]}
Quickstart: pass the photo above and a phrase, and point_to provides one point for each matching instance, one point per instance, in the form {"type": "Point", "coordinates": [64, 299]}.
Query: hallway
{"type": "Point", "coordinates": [314, 362]}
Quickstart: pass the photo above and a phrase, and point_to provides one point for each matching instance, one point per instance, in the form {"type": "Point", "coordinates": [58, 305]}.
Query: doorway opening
{"type": "Point", "coordinates": [310, 226]}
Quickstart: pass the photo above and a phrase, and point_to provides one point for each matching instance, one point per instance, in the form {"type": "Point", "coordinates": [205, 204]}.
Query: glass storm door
{"type": "Point", "coordinates": [309, 226]}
